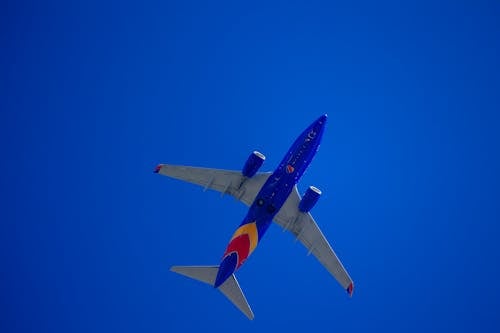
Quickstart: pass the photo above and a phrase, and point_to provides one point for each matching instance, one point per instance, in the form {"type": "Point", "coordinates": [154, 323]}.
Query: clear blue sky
{"type": "Point", "coordinates": [94, 94]}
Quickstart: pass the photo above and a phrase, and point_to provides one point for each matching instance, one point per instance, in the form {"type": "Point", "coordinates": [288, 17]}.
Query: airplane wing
{"type": "Point", "coordinates": [225, 181]}
{"type": "Point", "coordinates": [303, 226]}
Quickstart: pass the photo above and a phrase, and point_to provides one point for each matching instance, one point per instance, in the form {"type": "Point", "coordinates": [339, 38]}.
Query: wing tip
{"type": "Point", "coordinates": [157, 168]}
{"type": "Point", "coordinates": [350, 289]}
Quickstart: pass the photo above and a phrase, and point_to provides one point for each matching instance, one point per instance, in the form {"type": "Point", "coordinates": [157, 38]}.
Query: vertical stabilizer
{"type": "Point", "coordinates": [230, 288]}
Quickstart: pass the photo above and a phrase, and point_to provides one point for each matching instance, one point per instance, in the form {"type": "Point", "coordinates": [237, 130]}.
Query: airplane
{"type": "Point", "coordinates": [271, 196]}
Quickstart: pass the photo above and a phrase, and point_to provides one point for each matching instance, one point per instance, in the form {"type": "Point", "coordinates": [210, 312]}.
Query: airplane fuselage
{"type": "Point", "coordinates": [270, 199]}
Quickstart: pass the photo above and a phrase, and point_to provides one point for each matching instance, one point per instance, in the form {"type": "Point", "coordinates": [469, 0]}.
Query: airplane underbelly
{"type": "Point", "coordinates": [246, 238]}
{"type": "Point", "coordinates": [243, 242]}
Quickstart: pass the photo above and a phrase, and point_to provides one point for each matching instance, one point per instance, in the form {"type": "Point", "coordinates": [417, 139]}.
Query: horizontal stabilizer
{"type": "Point", "coordinates": [230, 288]}
{"type": "Point", "coordinates": [205, 274]}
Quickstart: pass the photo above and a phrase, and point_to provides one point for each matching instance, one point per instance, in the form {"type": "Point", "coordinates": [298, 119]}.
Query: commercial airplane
{"type": "Point", "coordinates": [271, 196]}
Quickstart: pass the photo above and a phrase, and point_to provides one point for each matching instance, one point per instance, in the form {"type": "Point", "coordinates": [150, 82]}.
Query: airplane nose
{"type": "Point", "coordinates": [322, 120]}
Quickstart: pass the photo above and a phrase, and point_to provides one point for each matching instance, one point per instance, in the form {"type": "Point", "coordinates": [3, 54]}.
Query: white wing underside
{"type": "Point", "coordinates": [301, 225]}
{"type": "Point", "coordinates": [305, 229]}
{"type": "Point", "coordinates": [225, 181]}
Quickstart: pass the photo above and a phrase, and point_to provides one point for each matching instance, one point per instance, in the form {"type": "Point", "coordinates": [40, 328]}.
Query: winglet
{"type": "Point", "coordinates": [350, 289]}
{"type": "Point", "coordinates": [157, 168]}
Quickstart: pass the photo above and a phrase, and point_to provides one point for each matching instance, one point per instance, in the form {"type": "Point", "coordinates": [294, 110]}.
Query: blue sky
{"type": "Point", "coordinates": [94, 94]}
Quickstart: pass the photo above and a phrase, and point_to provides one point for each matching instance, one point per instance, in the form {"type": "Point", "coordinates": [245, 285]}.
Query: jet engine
{"type": "Point", "coordinates": [253, 163]}
{"type": "Point", "coordinates": [309, 199]}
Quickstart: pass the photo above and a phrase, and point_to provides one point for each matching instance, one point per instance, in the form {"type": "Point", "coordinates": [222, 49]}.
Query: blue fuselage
{"type": "Point", "coordinates": [270, 199]}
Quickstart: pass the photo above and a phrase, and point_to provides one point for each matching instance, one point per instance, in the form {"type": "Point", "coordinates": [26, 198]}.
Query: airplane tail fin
{"type": "Point", "coordinates": [230, 288]}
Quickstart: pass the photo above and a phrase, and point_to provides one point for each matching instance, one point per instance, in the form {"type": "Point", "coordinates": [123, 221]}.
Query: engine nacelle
{"type": "Point", "coordinates": [253, 163]}
{"type": "Point", "coordinates": [309, 199]}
